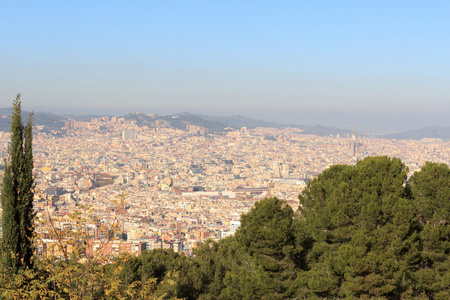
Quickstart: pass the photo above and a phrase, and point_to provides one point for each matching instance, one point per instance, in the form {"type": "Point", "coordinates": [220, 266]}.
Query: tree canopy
{"type": "Point", "coordinates": [17, 196]}
{"type": "Point", "coordinates": [430, 188]}
{"type": "Point", "coordinates": [365, 230]}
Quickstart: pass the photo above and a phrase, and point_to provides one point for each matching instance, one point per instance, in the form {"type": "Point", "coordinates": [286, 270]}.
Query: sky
{"type": "Point", "coordinates": [382, 66]}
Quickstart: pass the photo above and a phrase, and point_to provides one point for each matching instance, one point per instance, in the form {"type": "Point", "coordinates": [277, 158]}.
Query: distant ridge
{"type": "Point", "coordinates": [55, 122]}
{"type": "Point", "coordinates": [237, 121]}
{"type": "Point", "coordinates": [178, 121]}
{"type": "Point", "coordinates": [435, 132]}
{"type": "Point", "coordinates": [51, 121]}
{"type": "Point", "coordinates": [321, 130]}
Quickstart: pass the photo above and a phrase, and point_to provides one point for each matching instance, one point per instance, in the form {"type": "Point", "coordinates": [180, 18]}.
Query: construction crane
{"type": "Point", "coordinates": [352, 126]}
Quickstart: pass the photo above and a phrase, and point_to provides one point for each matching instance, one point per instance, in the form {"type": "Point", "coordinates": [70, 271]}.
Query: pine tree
{"type": "Point", "coordinates": [364, 231]}
{"type": "Point", "coordinates": [17, 196]}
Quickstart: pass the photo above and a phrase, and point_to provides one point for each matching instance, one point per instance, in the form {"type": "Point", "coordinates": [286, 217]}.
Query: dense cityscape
{"type": "Point", "coordinates": [160, 187]}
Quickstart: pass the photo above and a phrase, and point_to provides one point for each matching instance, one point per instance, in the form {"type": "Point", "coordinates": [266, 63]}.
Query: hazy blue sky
{"type": "Point", "coordinates": [376, 64]}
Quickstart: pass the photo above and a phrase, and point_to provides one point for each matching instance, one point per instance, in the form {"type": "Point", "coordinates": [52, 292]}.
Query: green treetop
{"type": "Point", "coordinates": [365, 231]}
{"type": "Point", "coordinates": [430, 188]}
{"type": "Point", "coordinates": [17, 196]}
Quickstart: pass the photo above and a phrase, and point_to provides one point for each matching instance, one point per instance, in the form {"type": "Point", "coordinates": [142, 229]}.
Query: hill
{"type": "Point", "coordinates": [237, 121]}
{"type": "Point", "coordinates": [48, 120]}
{"type": "Point", "coordinates": [435, 132]}
{"type": "Point", "coordinates": [214, 124]}
{"type": "Point", "coordinates": [175, 121]}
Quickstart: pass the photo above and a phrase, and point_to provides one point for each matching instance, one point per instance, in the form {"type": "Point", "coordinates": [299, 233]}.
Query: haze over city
{"type": "Point", "coordinates": [174, 151]}
{"type": "Point", "coordinates": [382, 66]}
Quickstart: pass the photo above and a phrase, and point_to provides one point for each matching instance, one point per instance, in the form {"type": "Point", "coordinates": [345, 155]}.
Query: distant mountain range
{"type": "Point", "coordinates": [417, 134]}
{"type": "Point", "coordinates": [48, 120]}
{"type": "Point", "coordinates": [53, 122]}
{"type": "Point", "coordinates": [236, 121]}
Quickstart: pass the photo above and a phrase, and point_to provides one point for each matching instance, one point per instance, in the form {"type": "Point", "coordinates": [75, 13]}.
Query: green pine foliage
{"type": "Point", "coordinates": [17, 197]}
{"type": "Point", "coordinates": [365, 231]}
{"type": "Point", "coordinates": [259, 262]}
{"type": "Point", "coordinates": [431, 189]}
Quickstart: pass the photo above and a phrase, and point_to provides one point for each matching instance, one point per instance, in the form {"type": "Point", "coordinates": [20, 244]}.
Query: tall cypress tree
{"type": "Point", "coordinates": [27, 190]}
{"type": "Point", "coordinates": [17, 196]}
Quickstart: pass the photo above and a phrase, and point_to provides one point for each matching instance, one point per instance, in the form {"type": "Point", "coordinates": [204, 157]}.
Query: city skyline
{"type": "Point", "coordinates": [380, 66]}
